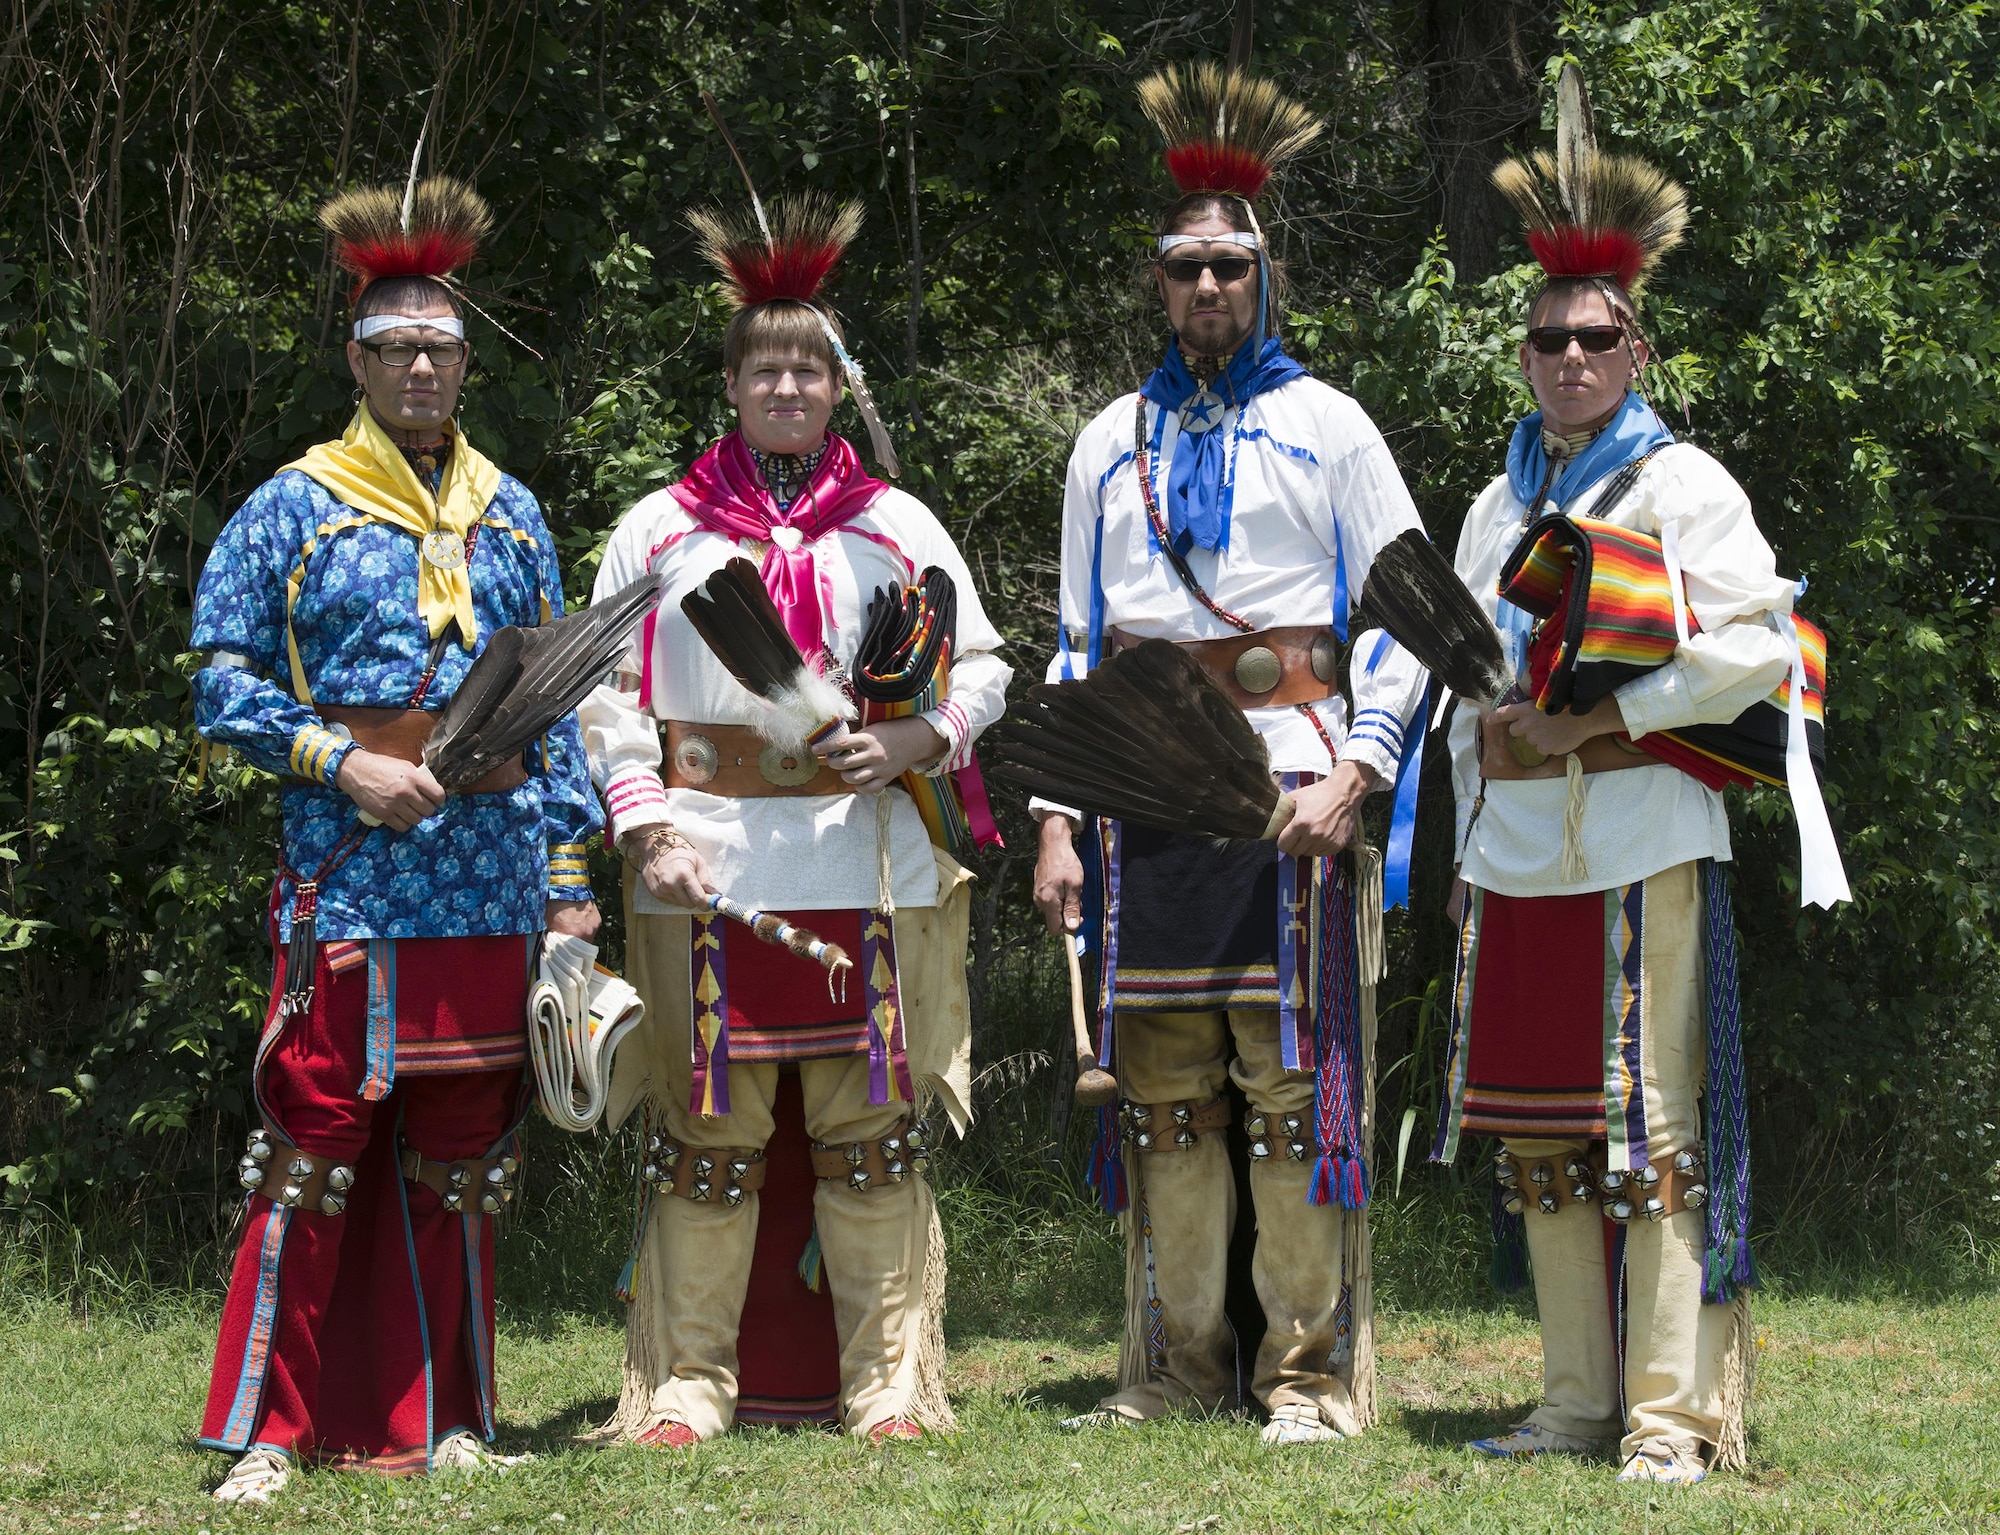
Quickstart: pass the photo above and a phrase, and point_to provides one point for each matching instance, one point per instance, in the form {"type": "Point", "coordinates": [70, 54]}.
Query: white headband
{"type": "Point", "coordinates": [375, 324]}
{"type": "Point", "coordinates": [1240, 237]}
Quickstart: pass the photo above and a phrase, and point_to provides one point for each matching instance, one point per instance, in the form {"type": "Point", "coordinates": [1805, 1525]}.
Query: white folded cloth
{"type": "Point", "coordinates": [578, 1013]}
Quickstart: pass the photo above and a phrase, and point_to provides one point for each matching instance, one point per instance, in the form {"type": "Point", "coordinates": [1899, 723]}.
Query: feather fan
{"type": "Point", "coordinates": [1415, 594]}
{"type": "Point", "coordinates": [1148, 738]}
{"type": "Point", "coordinates": [527, 679]}
{"type": "Point", "coordinates": [741, 624]}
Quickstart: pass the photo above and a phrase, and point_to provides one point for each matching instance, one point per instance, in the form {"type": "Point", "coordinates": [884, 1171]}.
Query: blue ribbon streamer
{"type": "Point", "coordinates": [1403, 823]}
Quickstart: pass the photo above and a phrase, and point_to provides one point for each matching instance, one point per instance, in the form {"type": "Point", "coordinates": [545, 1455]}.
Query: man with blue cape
{"type": "Point", "coordinates": [1234, 505]}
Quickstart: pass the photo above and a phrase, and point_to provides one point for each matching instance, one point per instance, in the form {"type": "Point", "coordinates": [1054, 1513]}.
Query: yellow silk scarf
{"type": "Point", "coordinates": [368, 472]}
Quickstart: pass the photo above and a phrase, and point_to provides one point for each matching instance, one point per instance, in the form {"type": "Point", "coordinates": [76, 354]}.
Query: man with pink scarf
{"type": "Point", "coordinates": [743, 1042]}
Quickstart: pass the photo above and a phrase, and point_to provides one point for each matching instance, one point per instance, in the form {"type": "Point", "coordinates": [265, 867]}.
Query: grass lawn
{"type": "Point", "coordinates": [1875, 1410]}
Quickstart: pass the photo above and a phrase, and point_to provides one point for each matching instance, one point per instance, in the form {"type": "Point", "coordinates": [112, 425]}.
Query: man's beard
{"type": "Point", "coordinates": [1208, 346]}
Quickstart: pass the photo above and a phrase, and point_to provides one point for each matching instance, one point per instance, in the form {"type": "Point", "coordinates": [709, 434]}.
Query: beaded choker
{"type": "Point", "coordinates": [786, 474]}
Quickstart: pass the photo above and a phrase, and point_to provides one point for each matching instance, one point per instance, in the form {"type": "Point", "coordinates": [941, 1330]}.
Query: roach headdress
{"type": "Point", "coordinates": [1592, 215]}
{"type": "Point", "coordinates": [1227, 133]}
{"type": "Point", "coordinates": [785, 257]}
{"type": "Point", "coordinates": [432, 230]}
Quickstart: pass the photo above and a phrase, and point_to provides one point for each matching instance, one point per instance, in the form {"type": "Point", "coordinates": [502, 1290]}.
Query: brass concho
{"type": "Point", "coordinates": [696, 759]}
{"type": "Point", "coordinates": [1258, 669]}
{"type": "Point", "coordinates": [444, 549]}
{"type": "Point", "coordinates": [786, 769]}
{"type": "Point", "coordinates": [1325, 657]}
{"type": "Point", "coordinates": [1526, 752]}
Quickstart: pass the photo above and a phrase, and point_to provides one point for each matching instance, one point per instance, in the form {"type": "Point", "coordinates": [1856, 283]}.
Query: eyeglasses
{"type": "Point", "coordinates": [1554, 340]}
{"type": "Point", "coordinates": [401, 354]}
{"type": "Point", "coordinates": [1225, 268]}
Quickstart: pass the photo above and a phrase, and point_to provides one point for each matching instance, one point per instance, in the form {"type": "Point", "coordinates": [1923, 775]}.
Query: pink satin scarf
{"type": "Point", "coordinates": [726, 494]}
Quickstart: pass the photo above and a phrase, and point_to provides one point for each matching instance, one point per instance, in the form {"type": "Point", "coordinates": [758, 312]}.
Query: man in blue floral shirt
{"type": "Point", "coordinates": [340, 608]}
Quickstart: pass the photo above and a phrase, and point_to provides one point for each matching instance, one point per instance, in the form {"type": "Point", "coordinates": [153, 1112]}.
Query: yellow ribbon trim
{"type": "Point", "coordinates": [368, 472]}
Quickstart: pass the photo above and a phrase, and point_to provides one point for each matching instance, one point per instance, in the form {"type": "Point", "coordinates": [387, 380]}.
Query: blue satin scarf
{"type": "Point", "coordinates": [1632, 433]}
{"type": "Point", "coordinates": [1197, 511]}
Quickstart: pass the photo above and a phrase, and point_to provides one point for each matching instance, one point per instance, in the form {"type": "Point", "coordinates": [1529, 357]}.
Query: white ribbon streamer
{"type": "Point", "coordinates": [1822, 879]}
{"type": "Point", "coordinates": [1670, 551]}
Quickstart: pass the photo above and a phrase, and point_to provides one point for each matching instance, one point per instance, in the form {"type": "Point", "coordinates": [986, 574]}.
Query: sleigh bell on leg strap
{"type": "Point", "coordinates": [703, 1174]}
{"type": "Point", "coordinates": [1171, 1126]}
{"type": "Point", "coordinates": [469, 1186]}
{"type": "Point", "coordinates": [880, 1163]}
{"type": "Point", "coordinates": [274, 1167]}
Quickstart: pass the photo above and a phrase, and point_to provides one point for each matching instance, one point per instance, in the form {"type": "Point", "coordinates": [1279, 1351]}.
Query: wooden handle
{"type": "Point", "coordinates": [1084, 1049]}
{"type": "Point", "coordinates": [1094, 1085]}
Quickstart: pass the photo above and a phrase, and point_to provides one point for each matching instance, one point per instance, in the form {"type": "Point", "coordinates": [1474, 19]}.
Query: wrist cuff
{"type": "Point", "coordinates": [317, 754]}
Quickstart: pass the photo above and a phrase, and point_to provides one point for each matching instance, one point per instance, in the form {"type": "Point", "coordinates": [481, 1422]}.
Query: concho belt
{"type": "Point", "coordinates": [1265, 669]}
{"type": "Point", "coordinates": [737, 763]}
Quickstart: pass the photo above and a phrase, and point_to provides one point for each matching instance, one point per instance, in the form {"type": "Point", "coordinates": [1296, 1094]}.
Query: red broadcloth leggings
{"type": "Point", "coordinates": [370, 1333]}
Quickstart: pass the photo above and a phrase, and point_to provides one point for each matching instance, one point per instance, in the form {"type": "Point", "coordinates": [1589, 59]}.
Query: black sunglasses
{"type": "Point", "coordinates": [1554, 340]}
{"type": "Point", "coordinates": [1225, 268]}
{"type": "Point", "coordinates": [401, 354]}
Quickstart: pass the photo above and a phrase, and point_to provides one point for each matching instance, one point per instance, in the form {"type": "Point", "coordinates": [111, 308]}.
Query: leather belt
{"type": "Point", "coordinates": [274, 1167]}
{"type": "Point", "coordinates": [737, 763]}
{"type": "Point", "coordinates": [402, 733]}
{"type": "Point", "coordinates": [1600, 754]}
{"type": "Point", "coordinates": [1652, 1192]}
{"type": "Point", "coordinates": [1267, 669]}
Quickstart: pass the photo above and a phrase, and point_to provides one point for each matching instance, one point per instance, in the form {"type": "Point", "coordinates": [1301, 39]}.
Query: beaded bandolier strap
{"type": "Point", "coordinates": [1143, 462]}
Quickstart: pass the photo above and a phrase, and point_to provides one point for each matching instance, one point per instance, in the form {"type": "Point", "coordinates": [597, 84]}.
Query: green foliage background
{"type": "Point", "coordinates": [169, 336]}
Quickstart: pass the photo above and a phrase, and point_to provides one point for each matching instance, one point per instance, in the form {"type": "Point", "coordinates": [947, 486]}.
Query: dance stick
{"type": "Point", "coordinates": [1094, 1085]}
{"type": "Point", "coordinates": [772, 929]}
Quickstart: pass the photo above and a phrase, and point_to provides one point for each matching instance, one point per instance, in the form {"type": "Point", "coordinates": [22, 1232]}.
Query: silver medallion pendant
{"type": "Point", "coordinates": [1203, 413]}
{"type": "Point", "coordinates": [444, 549]}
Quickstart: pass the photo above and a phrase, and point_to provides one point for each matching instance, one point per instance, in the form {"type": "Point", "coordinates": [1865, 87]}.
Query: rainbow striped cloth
{"type": "Point", "coordinates": [1623, 627]}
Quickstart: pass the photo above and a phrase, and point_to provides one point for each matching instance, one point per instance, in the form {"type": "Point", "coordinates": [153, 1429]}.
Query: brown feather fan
{"type": "Point", "coordinates": [1147, 737]}
{"type": "Point", "coordinates": [527, 679]}
{"type": "Point", "coordinates": [1414, 594]}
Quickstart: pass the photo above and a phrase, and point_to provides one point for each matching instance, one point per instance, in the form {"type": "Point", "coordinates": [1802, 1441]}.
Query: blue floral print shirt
{"type": "Point", "coordinates": [485, 863]}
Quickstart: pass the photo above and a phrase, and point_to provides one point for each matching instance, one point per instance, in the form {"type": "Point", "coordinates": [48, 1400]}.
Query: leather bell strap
{"type": "Point", "coordinates": [703, 1174]}
{"type": "Point", "coordinates": [403, 733]}
{"type": "Point", "coordinates": [737, 763]}
{"type": "Point", "coordinates": [274, 1167]}
{"type": "Point", "coordinates": [1505, 756]}
{"type": "Point", "coordinates": [1277, 1137]}
{"type": "Point", "coordinates": [483, 1185]}
{"type": "Point", "coordinates": [1652, 1192]}
{"type": "Point", "coordinates": [878, 1163]}
{"type": "Point", "coordinates": [1171, 1126]}
{"type": "Point", "coordinates": [1265, 669]}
